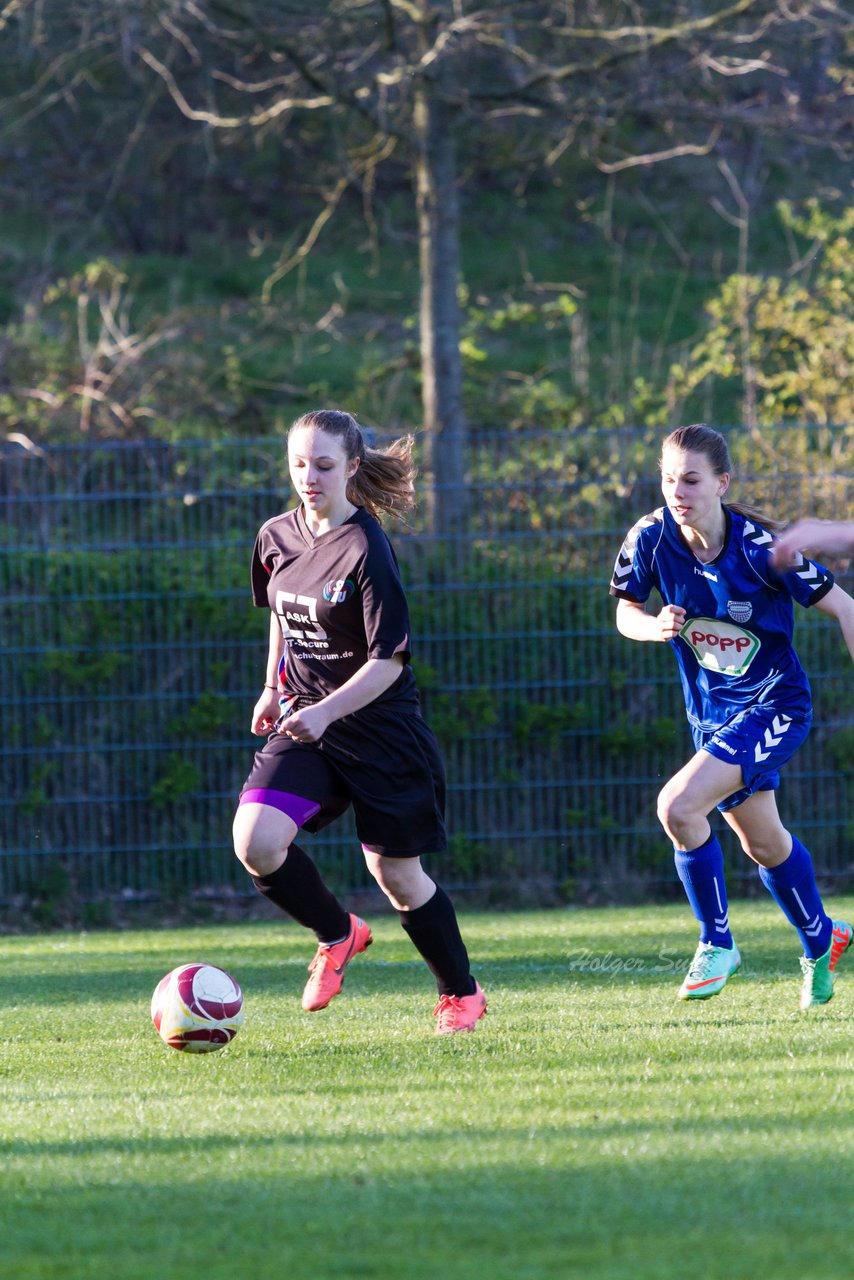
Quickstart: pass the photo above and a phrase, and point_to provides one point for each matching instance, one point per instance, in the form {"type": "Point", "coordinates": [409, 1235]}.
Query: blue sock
{"type": "Point", "coordinates": [702, 874]}
{"type": "Point", "coordinates": [792, 886]}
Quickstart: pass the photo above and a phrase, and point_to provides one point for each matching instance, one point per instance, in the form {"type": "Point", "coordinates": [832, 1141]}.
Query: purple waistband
{"type": "Point", "coordinates": [298, 808]}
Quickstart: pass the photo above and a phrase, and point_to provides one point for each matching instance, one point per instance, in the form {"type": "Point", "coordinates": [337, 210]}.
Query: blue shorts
{"type": "Point", "coordinates": [761, 740]}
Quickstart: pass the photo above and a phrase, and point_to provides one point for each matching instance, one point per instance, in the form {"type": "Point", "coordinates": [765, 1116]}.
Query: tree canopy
{"type": "Point", "coordinates": [147, 126]}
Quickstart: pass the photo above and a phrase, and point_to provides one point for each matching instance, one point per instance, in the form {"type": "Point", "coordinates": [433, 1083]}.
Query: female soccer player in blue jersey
{"type": "Point", "coordinates": [728, 617]}
{"type": "Point", "coordinates": [340, 708]}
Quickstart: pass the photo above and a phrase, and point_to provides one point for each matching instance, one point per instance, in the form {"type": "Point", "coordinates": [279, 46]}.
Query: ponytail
{"type": "Point", "coordinates": [771, 523]}
{"type": "Point", "coordinates": [384, 481]}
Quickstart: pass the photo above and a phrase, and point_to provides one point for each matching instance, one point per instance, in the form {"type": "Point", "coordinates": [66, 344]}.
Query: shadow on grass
{"type": "Point", "coordinates": [601, 1212]}
{"type": "Point", "coordinates": [577, 966]}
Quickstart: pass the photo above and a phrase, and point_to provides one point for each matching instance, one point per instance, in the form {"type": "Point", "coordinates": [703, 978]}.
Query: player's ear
{"type": "Point", "coordinates": [723, 483]}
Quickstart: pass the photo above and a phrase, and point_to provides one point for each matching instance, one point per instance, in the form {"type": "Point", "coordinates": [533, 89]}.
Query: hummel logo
{"type": "Point", "coordinates": [779, 725]}
{"type": "Point", "coordinates": [623, 566]}
{"type": "Point", "coordinates": [811, 575]}
{"type": "Point", "coordinates": [759, 536]}
{"type": "Point", "coordinates": [622, 569]}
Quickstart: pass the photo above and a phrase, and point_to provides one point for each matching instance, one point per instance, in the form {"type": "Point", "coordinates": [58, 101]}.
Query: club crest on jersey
{"type": "Point", "coordinates": [719, 646]}
{"type": "Point", "coordinates": [739, 610]}
{"type": "Point", "coordinates": [338, 590]}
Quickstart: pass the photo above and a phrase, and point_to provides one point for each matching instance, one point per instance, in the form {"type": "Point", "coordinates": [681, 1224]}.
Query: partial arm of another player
{"type": "Point", "coordinates": [266, 710]}
{"type": "Point", "coordinates": [839, 605]}
{"type": "Point", "coordinates": [373, 678]}
{"type": "Point", "coordinates": [634, 622]}
{"type": "Point", "coordinates": [816, 537]}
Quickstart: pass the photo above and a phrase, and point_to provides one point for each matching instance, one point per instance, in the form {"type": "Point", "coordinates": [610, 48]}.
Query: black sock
{"type": "Point", "coordinates": [296, 888]}
{"type": "Point", "coordinates": [434, 932]}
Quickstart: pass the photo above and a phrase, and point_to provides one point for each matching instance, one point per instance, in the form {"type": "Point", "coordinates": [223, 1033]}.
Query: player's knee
{"type": "Point", "coordinates": [259, 847]}
{"type": "Point", "coordinates": [401, 879]}
{"type": "Point", "coordinates": [769, 850]}
{"type": "Point", "coordinates": [674, 809]}
{"type": "Point", "coordinates": [754, 850]}
{"type": "Point", "coordinates": [389, 877]}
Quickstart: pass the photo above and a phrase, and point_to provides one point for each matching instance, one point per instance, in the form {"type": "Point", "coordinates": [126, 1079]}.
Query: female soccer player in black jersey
{"type": "Point", "coordinates": [340, 706]}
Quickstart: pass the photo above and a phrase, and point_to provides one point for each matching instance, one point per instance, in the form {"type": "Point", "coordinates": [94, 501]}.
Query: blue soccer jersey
{"type": "Point", "coordinates": [735, 649]}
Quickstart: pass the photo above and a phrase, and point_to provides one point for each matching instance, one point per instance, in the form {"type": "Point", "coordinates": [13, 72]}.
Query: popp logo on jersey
{"type": "Point", "coordinates": [719, 646]}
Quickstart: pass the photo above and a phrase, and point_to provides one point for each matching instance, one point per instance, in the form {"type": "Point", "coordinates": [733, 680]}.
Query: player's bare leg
{"type": "Point", "coordinates": [683, 806]}
{"type": "Point", "coordinates": [264, 842]}
{"type": "Point", "coordinates": [428, 917]}
{"type": "Point", "coordinates": [760, 830]}
{"type": "Point", "coordinates": [403, 880]}
{"type": "Point", "coordinates": [262, 836]}
{"type": "Point", "coordinates": [685, 802]}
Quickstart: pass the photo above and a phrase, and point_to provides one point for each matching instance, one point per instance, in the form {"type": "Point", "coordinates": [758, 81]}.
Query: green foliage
{"type": "Point", "coordinates": [49, 896]}
{"type": "Point", "coordinates": [545, 726]}
{"type": "Point", "coordinates": [207, 717]}
{"type": "Point", "coordinates": [659, 734]}
{"type": "Point", "coordinates": [129, 345]}
{"type": "Point", "coordinates": [463, 714]}
{"type": "Point", "coordinates": [840, 750]}
{"type": "Point", "coordinates": [179, 779]}
{"type": "Point", "coordinates": [792, 335]}
{"type": "Point", "coordinates": [37, 796]}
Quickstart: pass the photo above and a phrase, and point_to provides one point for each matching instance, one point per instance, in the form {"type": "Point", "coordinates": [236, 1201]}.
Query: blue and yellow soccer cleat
{"type": "Point", "coordinates": [818, 974]}
{"type": "Point", "coordinates": [709, 971]}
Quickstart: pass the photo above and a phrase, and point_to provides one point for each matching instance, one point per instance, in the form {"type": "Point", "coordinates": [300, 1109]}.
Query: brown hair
{"type": "Point", "coordinates": [698, 438]}
{"type": "Point", "coordinates": [384, 481]}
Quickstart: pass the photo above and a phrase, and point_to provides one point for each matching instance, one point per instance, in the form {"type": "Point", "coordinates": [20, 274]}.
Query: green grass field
{"type": "Point", "coordinates": [592, 1126]}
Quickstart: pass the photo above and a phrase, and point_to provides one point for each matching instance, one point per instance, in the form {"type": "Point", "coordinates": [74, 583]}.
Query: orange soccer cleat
{"type": "Point", "coordinates": [459, 1013]}
{"type": "Point", "coordinates": [330, 961]}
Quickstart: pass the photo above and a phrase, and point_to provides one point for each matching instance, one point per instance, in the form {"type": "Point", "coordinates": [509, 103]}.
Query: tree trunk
{"type": "Point", "coordinates": [439, 259]}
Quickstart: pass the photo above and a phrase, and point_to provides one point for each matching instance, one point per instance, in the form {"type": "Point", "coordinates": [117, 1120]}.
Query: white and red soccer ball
{"type": "Point", "coordinates": [197, 1007]}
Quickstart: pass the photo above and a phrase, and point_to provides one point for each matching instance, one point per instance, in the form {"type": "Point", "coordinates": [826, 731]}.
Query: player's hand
{"type": "Point", "coordinates": [307, 725]}
{"type": "Point", "coordinates": [810, 536]}
{"type": "Point", "coordinates": [265, 713]}
{"type": "Point", "coordinates": [788, 547]}
{"type": "Point", "coordinates": [671, 620]}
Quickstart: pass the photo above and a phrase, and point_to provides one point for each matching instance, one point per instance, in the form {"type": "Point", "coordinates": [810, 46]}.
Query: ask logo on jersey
{"type": "Point", "coordinates": [720, 646]}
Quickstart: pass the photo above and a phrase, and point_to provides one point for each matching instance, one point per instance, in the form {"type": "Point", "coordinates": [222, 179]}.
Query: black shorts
{"type": "Point", "coordinates": [386, 765]}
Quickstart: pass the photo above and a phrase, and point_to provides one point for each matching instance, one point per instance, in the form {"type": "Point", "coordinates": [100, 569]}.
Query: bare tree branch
{"type": "Point", "coordinates": [9, 12]}
{"type": "Point", "coordinates": [51, 73]}
{"type": "Point", "coordinates": [231, 122]}
{"type": "Point", "coordinates": [730, 66]}
{"type": "Point", "coordinates": [282, 268]}
{"type": "Point", "coordinates": [650, 38]}
{"type": "Point", "coordinates": [657, 34]}
{"type": "Point", "coordinates": [656, 157]}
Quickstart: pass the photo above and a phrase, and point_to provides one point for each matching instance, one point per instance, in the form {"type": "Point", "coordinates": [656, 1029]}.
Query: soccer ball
{"type": "Point", "coordinates": [197, 1007]}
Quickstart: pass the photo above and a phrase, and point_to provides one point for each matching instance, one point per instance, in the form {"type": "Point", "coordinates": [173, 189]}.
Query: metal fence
{"type": "Point", "coordinates": [131, 657]}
